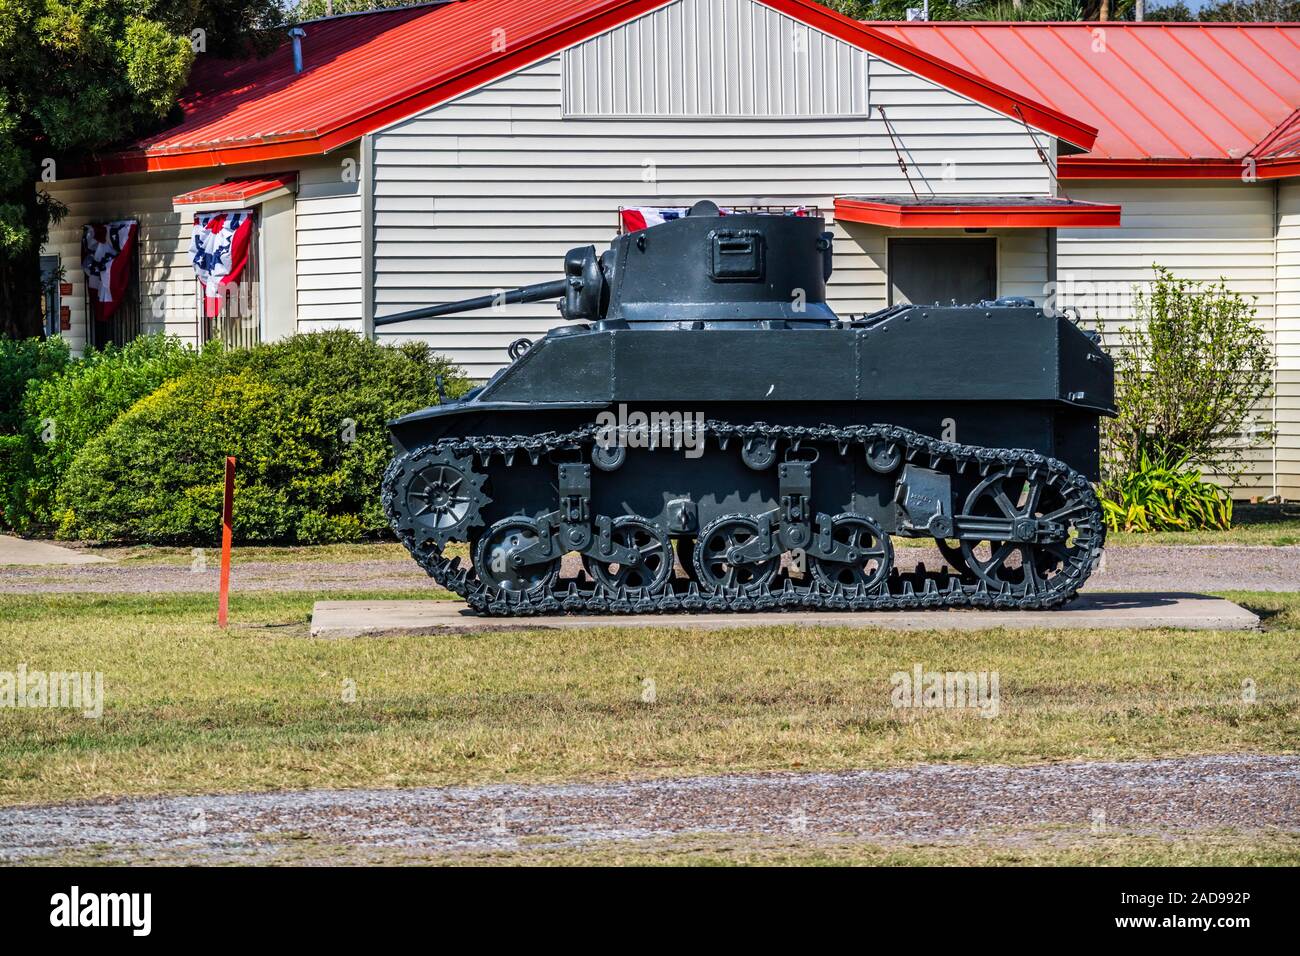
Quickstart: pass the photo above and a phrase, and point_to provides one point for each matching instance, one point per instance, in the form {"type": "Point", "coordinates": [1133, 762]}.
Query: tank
{"type": "Point", "coordinates": [703, 433]}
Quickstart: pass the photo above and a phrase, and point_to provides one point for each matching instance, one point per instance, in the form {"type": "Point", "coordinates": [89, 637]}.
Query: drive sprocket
{"type": "Point", "coordinates": [435, 496]}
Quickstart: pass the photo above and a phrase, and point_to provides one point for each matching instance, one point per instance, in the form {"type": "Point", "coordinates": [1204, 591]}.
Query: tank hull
{"type": "Point", "coordinates": [1006, 377]}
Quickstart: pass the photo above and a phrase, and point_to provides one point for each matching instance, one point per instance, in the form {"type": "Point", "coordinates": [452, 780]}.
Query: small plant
{"type": "Point", "coordinates": [1162, 496]}
{"type": "Point", "coordinates": [1190, 374]}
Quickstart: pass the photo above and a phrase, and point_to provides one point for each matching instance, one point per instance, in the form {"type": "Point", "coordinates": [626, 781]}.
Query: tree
{"type": "Point", "coordinates": [311, 9]}
{"type": "Point", "coordinates": [1231, 11]}
{"type": "Point", "coordinates": [1032, 10]}
{"type": "Point", "coordinates": [77, 76]}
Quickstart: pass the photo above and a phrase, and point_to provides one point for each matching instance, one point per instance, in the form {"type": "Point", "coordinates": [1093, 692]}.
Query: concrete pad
{"type": "Point", "coordinates": [23, 551]}
{"type": "Point", "coordinates": [1089, 610]}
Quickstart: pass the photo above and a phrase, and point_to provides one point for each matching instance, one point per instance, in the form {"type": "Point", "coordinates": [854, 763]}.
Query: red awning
{"type": "Point", "coordinates": [974, 212]}
{"type": "Point", "coordinates": [239, 191]}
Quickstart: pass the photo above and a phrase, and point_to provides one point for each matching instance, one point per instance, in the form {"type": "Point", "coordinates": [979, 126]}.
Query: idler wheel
{"type": "Point", "coordinates": [501, 563]}
{"type": "Point", "coordinates": [872, 555]}
{"type": "Point", "coordinates": [713, 566]}
{"type": "Point", "coordinates": [654, 569]}
{"type": "Point", "coordinates": [1026, 567]}
{"type": "Point", "coordinates": [952, 553]}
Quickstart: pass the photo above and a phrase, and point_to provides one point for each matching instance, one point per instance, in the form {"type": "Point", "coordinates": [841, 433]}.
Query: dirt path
{"type": "Point", "coordinates": [1243, 793]}
{"type": "Point", "coordinates": [1155, 568]}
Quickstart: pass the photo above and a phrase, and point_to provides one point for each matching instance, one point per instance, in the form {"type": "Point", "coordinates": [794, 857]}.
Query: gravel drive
{"type": "Point", "coordinates": [915, 805]}
{"type": "Point", "coordinates": [1150, 568]}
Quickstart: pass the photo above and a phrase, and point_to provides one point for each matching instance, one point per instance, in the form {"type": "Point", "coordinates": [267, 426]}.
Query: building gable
{"type": "Point", "coordinates": [712, 59]}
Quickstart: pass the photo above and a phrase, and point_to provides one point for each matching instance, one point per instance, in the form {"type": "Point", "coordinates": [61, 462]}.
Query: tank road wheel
{"type": "Point", "coordinates": [685, 548]}
{"type": "Point", "coordinates": [1024, 567]}
{"type": "Point", "coordinates": [873, 555]}
{"type": "Point", "coordinates": [715, 572]}
{"type": "Point", "coordinates": [441, 498]}
{"type": "Point", "coordinates": [656, 551]}
{"type": "Point", "coordinates": [497, 557]}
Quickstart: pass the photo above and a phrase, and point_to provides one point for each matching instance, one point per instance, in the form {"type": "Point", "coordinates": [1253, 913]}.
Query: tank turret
{"type": "Point", "coordinates": [706, 435]}
{"type": "Point", "coordinates": [704, 267]}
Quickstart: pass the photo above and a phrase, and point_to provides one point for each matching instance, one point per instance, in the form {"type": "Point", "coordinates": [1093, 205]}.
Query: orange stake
{"type": "Point", "coordinates": [227, 512]}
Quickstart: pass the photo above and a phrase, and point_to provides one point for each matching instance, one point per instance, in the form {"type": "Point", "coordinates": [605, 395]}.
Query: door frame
{"type": "Point", "coordinates": [889, 257]}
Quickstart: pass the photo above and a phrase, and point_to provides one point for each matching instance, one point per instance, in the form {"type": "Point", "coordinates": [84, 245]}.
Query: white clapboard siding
{"type": "Point", "coordinates": [328, 199]}
{"type": "Point", "coordinates": [687, 59]}
{"type": "Point", "coordinates": [491, 189]}
{"type": "Point", "coordinates": [1288, 339]}
{"type": "Point", "coordinates": [328, 222]}
{"type": "Point", "coordinates": [1198, 230]}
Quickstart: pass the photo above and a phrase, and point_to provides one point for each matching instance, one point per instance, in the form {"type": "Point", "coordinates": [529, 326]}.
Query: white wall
{"type": "Point", "coordinates": [1203, 230]}
{"type": "Point", "coordinates": [329, 256]}
{"type": "Point", "coordinates": [711, 58]}
{"type": "Point", "coordinates": [1288, 339]}
{"type": "Point", "coordinates": [491, 189]}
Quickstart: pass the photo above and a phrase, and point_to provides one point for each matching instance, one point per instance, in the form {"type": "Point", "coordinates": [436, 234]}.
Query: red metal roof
{"type": "Point", "coordinates": [237, 190]}
{"type": "Point", "coordinates": [1188, 98]}
{"type": "Point", "coordinates": [364, 71]}
{"type": "Point", "coordinates": [975, 212]}
{"type": "Point", "coordinates": [1283, 143]}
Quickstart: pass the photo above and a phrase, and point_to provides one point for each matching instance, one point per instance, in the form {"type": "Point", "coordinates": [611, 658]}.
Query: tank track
{"type": "Point", "coordinates": [899, 591]}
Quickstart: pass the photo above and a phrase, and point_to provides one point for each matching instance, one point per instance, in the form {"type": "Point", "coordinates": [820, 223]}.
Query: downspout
{"type": "Point", "coordinates": [1277, 229]}
{"type": "Point", "coordinates": [368, 236]}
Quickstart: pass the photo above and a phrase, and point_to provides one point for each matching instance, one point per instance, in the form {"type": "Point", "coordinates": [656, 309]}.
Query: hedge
{"type": "Point", "coordinates": [59, 413]}
{"type": "Point", "coordinates": [24, 361]}
{"type": "Point", "coordinates": [304, 417]}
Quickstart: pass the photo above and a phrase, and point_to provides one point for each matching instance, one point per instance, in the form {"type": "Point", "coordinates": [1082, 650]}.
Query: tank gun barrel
{"type": "Point", "coordinates": [528, 293]}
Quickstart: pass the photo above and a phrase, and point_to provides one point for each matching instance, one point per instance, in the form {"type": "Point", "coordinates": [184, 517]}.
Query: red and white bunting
{"type": "Point", "coordinates": [106, 250]}
{"type": "Point", "coordinates": [219, 251]}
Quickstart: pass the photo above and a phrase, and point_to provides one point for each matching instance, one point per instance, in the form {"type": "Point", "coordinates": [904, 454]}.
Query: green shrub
{"type": "Point", "coordinates": [62, 412]}
{"type": "Point", "coordinates": [1189, 377]}
{"type": "Point", "coordinates": [304, 417]}
{"type": "Point", "coordinates": [23, 361]}
{"type": "Point", "coordinates": [1163, 496]}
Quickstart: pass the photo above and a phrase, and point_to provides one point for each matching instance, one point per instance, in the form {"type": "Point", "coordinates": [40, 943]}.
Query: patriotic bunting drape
{"type": "Point", "coordinates": [219, 251]}
{"type": "Point", "coordinates": [106, 250]}
{"type": "Point", "coordinates": [642, 217]}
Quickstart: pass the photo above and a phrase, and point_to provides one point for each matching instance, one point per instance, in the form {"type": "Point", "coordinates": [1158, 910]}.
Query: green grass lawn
{"type": "Point", "coordinates": [262, 707]}
{"type": "Point", "coordinates": [1278, 532]}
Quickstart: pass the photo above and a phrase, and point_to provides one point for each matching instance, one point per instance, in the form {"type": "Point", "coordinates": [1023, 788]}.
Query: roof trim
{"type": "Point", "coordinates": [992, 212]}
{"type": "Point", "coordinates": [1081, 167]}
{"type": "Point", "coordinates": [530, 49]}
